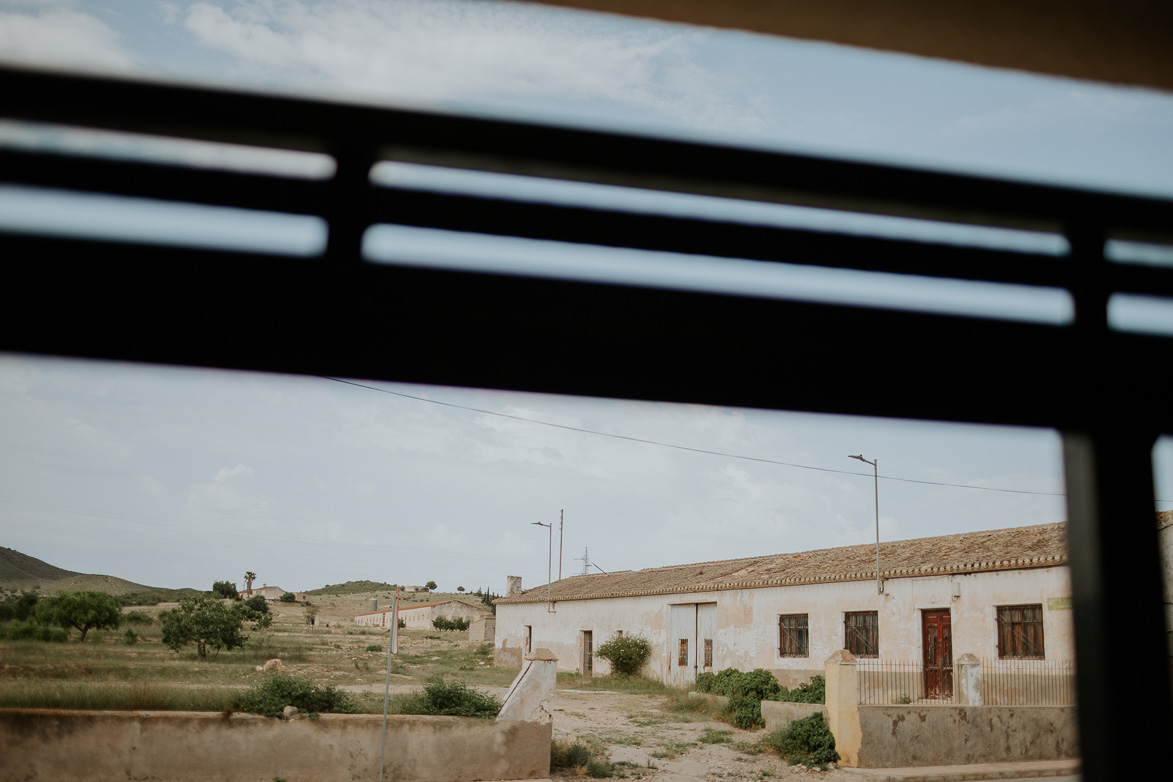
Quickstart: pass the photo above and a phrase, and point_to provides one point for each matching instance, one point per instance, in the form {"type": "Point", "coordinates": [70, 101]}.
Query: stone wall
{"type": "Point", "coordinates": [78, 746]}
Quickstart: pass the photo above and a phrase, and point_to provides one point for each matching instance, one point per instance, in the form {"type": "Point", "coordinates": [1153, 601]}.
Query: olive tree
{"type": "Point", "coordinates": [209, 624]}
{"type": "Point", "coordinates": [83, 611]}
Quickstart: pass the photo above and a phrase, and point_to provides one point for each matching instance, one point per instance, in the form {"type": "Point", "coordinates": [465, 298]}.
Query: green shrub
{"type": "Point", "coordinates": [130, 637]}
{"type": "Point", "coordinates": [814, 691]}
{"type": "Point", "coordinates": [758, 683]}
{"type": "Point", "coordinates": [626, 653]}
{"type": "Point", "coordinates": [28, 631]}
{"type": "Point", "coordinates": [224, 589]}
{"type": "Point", "coordinates": [744, 711]}
{"type": "Point", "coordinates": [278, 690]}
{"type": "Point", "coordinates": [450, 698]}
{"type": "Point", "coordinates": [808, 741]}
{"type": "Point", "coordinates": [258, 603]}
{"type": "Point", "coordinates": [582, 758]}
{"type": "Point", "coordinates": [444, 623]}
{"type": "Point", "coordinates": [374, 648]}
{"type": "Point", "coordinates": [288, 597]}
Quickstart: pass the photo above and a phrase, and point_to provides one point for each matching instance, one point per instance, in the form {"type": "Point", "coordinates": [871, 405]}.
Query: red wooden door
{"type": "Point", "coordinates": [938, 653]}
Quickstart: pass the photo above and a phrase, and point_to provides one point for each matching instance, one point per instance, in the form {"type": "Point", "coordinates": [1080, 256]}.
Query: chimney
{"type": "Point", "coordinates": [512, 585]}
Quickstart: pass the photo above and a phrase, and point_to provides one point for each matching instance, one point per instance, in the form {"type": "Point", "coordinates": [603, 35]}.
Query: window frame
{"type": "Point", "coordinates": [796, 633]}
{"type": "Point", "coordinates": [848, 636]}
{"type": "Point", "coordinates": [1005, 630]}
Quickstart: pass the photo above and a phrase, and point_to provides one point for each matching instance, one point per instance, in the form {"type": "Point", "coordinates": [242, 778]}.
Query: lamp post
{"type": "Point", "coordinates": [549, 564]}
{"type": "Point", "coordinates": [876, 471]}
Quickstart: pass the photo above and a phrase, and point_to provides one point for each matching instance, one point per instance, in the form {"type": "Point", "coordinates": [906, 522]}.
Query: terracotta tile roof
{"type": "Point", "coordinates": [1044, 545]}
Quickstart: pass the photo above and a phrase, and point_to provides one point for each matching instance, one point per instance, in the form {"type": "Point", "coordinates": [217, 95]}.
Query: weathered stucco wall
{"type": "Point", "coordinates": [898, 736]}
{"type": "Point", "coordinates": [747, 620]}
{"type": "Point", "coordinates": [778, 715]}
{"type": "Point", "coordinates": [77, 746]}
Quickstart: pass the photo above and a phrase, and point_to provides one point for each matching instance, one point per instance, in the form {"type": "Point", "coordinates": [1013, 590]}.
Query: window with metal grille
{"type": "Point", "coordinates": [1020, 631]}
{"type": "Point", "coordinates": [683, 658]}
{"type": "Point", "coordinates": [862, 633]}
{"type": "Point", "coordinates": [708, 652]}
{"type": "Point", "coordinates": [792, 635]}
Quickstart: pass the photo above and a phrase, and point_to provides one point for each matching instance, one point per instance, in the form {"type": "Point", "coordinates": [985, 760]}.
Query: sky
{"type": "Point", "coordinates": [176, 477]}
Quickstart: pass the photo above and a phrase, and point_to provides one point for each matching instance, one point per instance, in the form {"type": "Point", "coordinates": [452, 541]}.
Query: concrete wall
{"type": "Point", "coordinates": [899, 736]}
{"type": "Point", "coordinates": [779, 715]}
{"type": "Point", "coordinates": [76, 746]}
{"type": "Point", "coordinates": [747, 620]}
{"type": "Point", "coordinates": [422, 616]}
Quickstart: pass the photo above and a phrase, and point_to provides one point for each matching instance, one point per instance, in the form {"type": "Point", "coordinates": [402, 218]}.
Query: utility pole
{"type": "Point", "coordinates": [876, 473]}
{"type": "Point", "coordinates": [560, 519]}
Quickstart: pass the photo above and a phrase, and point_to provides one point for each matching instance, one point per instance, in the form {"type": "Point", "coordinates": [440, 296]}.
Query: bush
{"type": "Point", "coordinates": [808, 741]}
{"type": "Point", "coordinates": [130, 637]}
{"type": "Point", "coordinates": [581, 758]}
{"type": "Point", "coordinates": [626, 653]}
{"type": "Point", "coordinates": [402, 624]}
{"type": "Point", "coordinates": [450, 698]}
{"type": "Point", "coordinates": [28, 631]}
{"type": "Point", "coordinates": [814, 691]}
{"type": "Point", "coordinates": [758, 683]}
{"type": "Point", "coordinates": [374, 648]}
{"type": "Point", "coordinates": [278, 690]}
{"type": "Point", "coordinates": [224, 589]}
{"type": "Point", "coordinates": [258, 603]}
{"type": "Point", "coordinates": [444, 623]}
{"type": "Point", "coordinates": [288, 597]}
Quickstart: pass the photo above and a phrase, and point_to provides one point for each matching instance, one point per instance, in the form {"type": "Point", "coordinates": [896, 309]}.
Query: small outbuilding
{"type": "Point", "coordinates": [421, 615]}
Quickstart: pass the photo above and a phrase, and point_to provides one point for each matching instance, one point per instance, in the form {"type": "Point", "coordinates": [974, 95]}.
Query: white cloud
{"type": "Point", "coordinates": [62, 38]}
{"type": "Point", "coordinates": [441, 51]}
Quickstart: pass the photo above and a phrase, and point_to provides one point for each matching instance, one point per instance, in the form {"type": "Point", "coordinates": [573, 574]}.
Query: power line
{"type": "Point", "coordinates": [662, 444]}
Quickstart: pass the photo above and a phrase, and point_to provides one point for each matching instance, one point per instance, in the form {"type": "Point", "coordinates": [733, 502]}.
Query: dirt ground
{"type": "Point", "coordinates": [659, 745]}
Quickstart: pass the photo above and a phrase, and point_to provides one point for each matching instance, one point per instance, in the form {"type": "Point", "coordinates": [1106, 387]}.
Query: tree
{"type": "Point", "coordinates": [459, 589]}
{"type": "Point", "coordinates": [431, 585]}
{"type": "Point", "coordinates": [311, 614]}
{"type": "Point", "coordinates": [209, 624]}
{"type": "Point", "coordinates": [83, 611]}
{"type": "Point", "coordinates": [249, 578]}
{"type": "Point", "coordinates": [258, 603]}
{"type": "Point", "coordinates": [224, 589]}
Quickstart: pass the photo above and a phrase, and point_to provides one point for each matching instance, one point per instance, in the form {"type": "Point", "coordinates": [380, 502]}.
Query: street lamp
{"type": "Point", "coordinates": [876, 471]}
{"type": "Point", "coordinates": [549, 564]}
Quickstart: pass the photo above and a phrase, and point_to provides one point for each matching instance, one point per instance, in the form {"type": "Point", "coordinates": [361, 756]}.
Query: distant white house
{"type": "Point", "coordinates": [421, 615]}
{"type": "Point", "coordinates": [270, 593]}
{"type": "Point", "coordinates": [1003, 594]}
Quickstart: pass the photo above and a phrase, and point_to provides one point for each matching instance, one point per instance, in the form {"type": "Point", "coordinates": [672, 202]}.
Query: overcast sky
{"type": "Point", "coordinates": [176, 477]}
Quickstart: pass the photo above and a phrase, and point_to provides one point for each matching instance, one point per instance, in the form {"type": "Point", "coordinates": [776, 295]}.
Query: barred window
{"type": "Point", "coordinates": [1020, 631]}
{"type": "Point", "coordinates": [862, 633]}
{"type": "Point", "coordinates": [708, 652]}
{"type": "Point", "coordinates": [792, 635]}
{"type": "Point", "coordinates": [683, 658]}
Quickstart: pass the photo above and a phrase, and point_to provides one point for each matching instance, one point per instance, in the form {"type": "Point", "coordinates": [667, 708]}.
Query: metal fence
{"type": "Point", "coordinates": [999, 682]}
{"type": "Point", "coordinates": [1028, 683]}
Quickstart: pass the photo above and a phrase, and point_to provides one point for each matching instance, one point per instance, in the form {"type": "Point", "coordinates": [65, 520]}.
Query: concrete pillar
{"type": "Point", "coordinates": [843, 706]}
{"type": "Point", "coordinates": [967, 678]}
{"type": "Point", "coordinates": [532, 689]}
{"type": "Point", "coordinates": [512, 585]}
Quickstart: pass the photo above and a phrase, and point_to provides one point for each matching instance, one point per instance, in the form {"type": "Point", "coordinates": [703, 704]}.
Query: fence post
{"type": "Point", "coordinates": [969, 680]}
{"type": "Point", "coordinates": [843, 706]}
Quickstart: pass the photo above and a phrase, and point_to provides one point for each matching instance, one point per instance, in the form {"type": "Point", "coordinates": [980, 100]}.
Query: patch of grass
{"type": "Point", "coordinates": [748, 747]}
{"type": "Point", "coordinates": [583, 757]}
{"type": "Point", "coordinates": [112, 696]}
{"type": "Point", "coordinates": [373, 648]}
{"type": "Point", "coordinates": [711, 736]}
{"type": "Point", "coordinates": [635, 685]}
{"type": "Point", "coordinates": [683, 704]}
{"type": "Point", "coordinates": [674, 749]}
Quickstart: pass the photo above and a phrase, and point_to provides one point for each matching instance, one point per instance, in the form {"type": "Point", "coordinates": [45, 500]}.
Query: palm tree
{"type": "Point", "coordinates": [249, 577]}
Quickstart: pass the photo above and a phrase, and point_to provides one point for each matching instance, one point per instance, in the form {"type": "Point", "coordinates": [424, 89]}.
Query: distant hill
{"type": "Point", "coordinates": [353, 587]}
{"type": "Point", "coordinates": [20, 571]}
